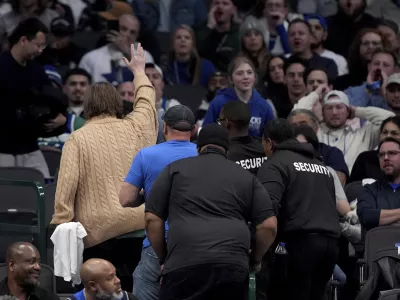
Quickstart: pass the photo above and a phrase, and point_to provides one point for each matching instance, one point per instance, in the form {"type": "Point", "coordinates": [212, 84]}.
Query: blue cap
{"type": "Point", "coordinates": [320, 19]}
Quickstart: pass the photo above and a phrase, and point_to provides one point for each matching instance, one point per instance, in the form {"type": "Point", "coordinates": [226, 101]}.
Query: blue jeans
{"type": "Point", "coordinates": [146, 284]}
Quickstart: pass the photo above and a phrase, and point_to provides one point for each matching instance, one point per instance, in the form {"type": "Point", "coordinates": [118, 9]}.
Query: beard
{"type": "Point", "coordinates": [106, 296]}
{"type": "Point", "coordinates": [211, 95]}
{"type": "Point", "coordinates": [316, 45]}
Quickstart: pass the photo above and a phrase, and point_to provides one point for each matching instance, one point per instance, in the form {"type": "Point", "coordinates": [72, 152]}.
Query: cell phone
{"type": "Point", "coordinates": [113, 25]}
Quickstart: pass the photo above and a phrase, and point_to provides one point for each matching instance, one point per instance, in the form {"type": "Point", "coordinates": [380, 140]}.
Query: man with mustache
{"type": "Point", "coordinates": [76, 83]}
{"type": "Point", "coordinates": [22, 281]}
{"type": "Point", "coordinates": [100, 282]}
{"type": "Point", "coordinates": [379, 204]}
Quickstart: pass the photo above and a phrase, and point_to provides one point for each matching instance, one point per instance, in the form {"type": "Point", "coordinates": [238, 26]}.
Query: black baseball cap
{"type": "Point", "coordinates": [180, 117]}
{"type": "Point", "coordinates": [61, 27]}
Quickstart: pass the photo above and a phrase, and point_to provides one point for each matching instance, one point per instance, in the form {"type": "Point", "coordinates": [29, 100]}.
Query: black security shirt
{"type": "Point", "coordinates": [301, 189]}
{"type": "Point", "coordinates": [247, 152]}
{"type": "Point", "coordinates": [208, 201]}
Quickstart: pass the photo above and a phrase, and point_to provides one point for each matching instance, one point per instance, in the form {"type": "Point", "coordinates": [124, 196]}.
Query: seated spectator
{"type": "Point", "coordinates": [300, 39]}
{"type": "Point", "coordinates": [335, 132]}
{"type": "Point", "coordinates": [23, 269]}
{"type": "Point", "coordinates": [62, 51]}
{"type": "Point", "coordinates": [218, 41]}
{"type": "Point", "coordinates": [184, 65]}
{"type": "Point", "coordinates": [274, 24]}
{"type": "Point", "coordinates": [252, 46]}
{"type": "Point", "coordinates": [100, 281]}
{"type": "Point", "coordinates": [390, 30]}
{"type": "Point", "coordinates": [22, 10]}
{"type": "Point", "coordinates": [367, 163]}
{"type": "Point", "coordinates": [156, 77]}
{"type": "Point", "coordinates": [274, 84]}
{"type": "Point", "coordinates": [242, 75]}
{"type": "Point", "coordinates": [320, 34]}
{"type": "Point", "coordinates": [392, 92]}
{"type": "Point", "coordinates": [217, 81]}
{"type": "Point", "coordinates": [372, 91]}
{"type": "Point", "coordinates": [294, 70]}
{"type": "Point", "coordinates": [165, 16]}
{"type": "Point", "coordinates": [360, 55]}
{"type": "Point", "coordinates": [244, 149]}
{"type": "Point", "coordinates": [344, 26]}
{"type": "Point", "coordinates": [75, 85]}
{"type": "Point", "coordinates": [127, 92]}
{"type": "Point", "coordinates": [379, 204]}
{"type": "Point", "coordinates": [31, 106]}
{"type": "Point", "coordinates": [104, 64]}
{"type": "Point", "coordinates": [331, 156]}
{"type": "Point", "coordinates": [95, 160]}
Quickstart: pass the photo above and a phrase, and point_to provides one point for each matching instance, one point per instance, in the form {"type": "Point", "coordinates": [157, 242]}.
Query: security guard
{"type": "Point", "coordinates": [208, 201]}
{"type": "Point", "coordinates": [303, 194]}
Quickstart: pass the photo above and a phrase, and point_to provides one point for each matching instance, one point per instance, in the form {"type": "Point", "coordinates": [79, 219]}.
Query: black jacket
{"type": "Point", "coordinates": [301, 189]}
{"type": "Point", "coordinates": [37, 294]}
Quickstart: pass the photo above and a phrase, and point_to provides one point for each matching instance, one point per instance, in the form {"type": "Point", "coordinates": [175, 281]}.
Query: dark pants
{"type": "Point", "coordinates": [310, 265]}
{"type": "Point", "coordinates": [124, 254]}
{"type": "Point", "coordinates": [208, 282]}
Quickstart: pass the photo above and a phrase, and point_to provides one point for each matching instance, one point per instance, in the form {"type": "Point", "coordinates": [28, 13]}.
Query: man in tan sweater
{"type": "Point", "coordinates": [97, 157]}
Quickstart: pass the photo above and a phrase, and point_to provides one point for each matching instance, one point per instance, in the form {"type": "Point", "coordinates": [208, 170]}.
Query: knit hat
{"type": "Point", "coordinates": [213, 134]}
{"type": "Point", "coordinates": [336, 97]}
{"type": "Point", "coordinates": [320, 19]}
{"type": "Point", "coordinates": [251, 23]}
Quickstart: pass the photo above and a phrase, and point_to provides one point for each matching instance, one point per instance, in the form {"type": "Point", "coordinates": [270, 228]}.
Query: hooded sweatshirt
{"type": "Point", "coordinates": [261, 110]}
{"type": "Point", "coordinates": [302, 191]}
{"type": "Point", "coordinates": [350, 141]}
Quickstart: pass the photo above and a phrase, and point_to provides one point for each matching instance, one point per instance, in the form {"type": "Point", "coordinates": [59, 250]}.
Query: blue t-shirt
{"type": "Point", "coordinates": [261, 111]}
{"type": "Point", "coordinates": [150, 161]}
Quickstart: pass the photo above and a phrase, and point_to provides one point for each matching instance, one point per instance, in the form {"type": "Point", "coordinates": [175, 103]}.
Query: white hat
{"type": "Point", "coordinates": [336, 97]}
{"type": "Point", "coordinates": [394, 78]}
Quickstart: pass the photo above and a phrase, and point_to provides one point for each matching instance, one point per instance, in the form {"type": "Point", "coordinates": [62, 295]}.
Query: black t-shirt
{"type": "Point", "coordinates": [37, 294]}
{"type": "Point", "coordinates": [208, 201]}
{"type": "Point", "coordinates": [247, 152]}
{"type": "Point", "coordinates": [301, 189]}
{"type": "Point", "coordinates": [18, 85]}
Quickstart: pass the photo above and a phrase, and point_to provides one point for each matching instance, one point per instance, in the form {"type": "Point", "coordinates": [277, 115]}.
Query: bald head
{"type": "Point", "coordinates": [95, 268]}
{"type": "Point", "coordinates": [18, 250]}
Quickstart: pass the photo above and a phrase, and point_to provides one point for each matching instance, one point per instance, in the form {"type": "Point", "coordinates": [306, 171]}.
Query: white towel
{"type": "Point", "coordinates": [68, 251]}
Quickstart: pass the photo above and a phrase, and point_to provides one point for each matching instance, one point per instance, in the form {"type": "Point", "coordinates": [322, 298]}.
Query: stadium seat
{"type": "Point", "coordinates": [53, 159]}
{"type": "Point", "coordinates": [22, 173]}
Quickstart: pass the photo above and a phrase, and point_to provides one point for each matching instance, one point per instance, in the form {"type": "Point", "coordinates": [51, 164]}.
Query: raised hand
{"type": "Point", "coordinates": [138, 59]}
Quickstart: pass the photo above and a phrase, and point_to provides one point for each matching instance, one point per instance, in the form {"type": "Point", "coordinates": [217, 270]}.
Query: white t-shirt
{"type": "Point", "coordinates": [340, 61]}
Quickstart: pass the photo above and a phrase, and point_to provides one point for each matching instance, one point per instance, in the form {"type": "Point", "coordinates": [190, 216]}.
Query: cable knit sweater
{"type": "Point", "coordinates": [94, 163]}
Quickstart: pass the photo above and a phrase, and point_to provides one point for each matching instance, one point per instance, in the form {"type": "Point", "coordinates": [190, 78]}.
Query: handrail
{"type": "Point", "coordinates": [40, 228]}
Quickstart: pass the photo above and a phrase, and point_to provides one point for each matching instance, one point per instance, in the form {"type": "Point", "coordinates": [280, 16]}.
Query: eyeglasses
{"type": "Point", "coordinates": [219, 121]}
{"type": "Point", "coordinates": [390, 154]}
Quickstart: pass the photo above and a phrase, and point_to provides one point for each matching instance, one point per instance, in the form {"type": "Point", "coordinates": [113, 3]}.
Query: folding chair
{"type": "Point", "coordinates": [22, 211]}
{"type": "Point", "coordinates": [390, 295]}
{"type": "Point", "coordinates": [353, 190]}
{"type": "Point", "coordinates": [379, 242]}
{"type": "Point", "coordinates": [22, 173]}
{"type": "Point", "coordinates": [50, 195]}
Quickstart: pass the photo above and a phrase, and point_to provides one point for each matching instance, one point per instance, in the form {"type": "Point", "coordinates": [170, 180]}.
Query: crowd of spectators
{"type": "Point", "coordinates": [330, 68]}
